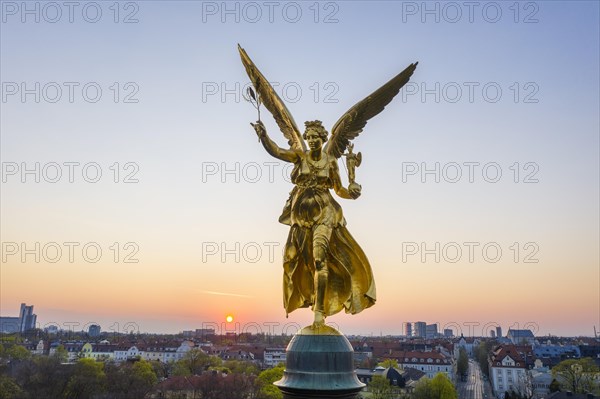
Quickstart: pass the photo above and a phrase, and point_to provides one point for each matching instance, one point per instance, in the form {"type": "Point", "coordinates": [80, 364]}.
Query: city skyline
{"type": "Point", "coordinates": [134, 189]}
{"type": "Point", "coordinates": [229, 324]}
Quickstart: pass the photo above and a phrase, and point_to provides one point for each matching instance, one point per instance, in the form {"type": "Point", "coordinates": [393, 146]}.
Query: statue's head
{"type": "Point", "coordinates": [317, 127]}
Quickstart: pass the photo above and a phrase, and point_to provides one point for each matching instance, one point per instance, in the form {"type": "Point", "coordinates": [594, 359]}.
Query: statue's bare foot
{"type": "Point", "coordinates": [319, 319]}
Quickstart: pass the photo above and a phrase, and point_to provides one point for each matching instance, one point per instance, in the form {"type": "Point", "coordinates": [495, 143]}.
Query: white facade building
{"type": "Point", "coordinates": [469, 344]}
{"type": "Point", "coordinates": [164, 353]}
{"type": "Point", "coordinates": [430, 362]}
{"type": "Point", "coordinates": [507, 371]}
{"type": "Point", "coordinates": [274, 356]}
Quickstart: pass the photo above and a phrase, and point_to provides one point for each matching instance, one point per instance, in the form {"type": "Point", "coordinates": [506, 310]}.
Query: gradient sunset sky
{"type": "Point", "coordinates": [502, 87]}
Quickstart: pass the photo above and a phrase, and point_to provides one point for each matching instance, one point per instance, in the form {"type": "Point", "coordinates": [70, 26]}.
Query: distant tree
{"type": "Point", "coordinates": [9, 389]}
{"type": "Point", "coordinates": [116, 380]}
{"type": "Point", "coordinates": [215, 385]}
{"type": "Point", "coordinates": [577, 375]}
{"type": "Point", "coordinates": [481, 354]}
{"type": "Point", "coordinates": [380, 387]}
{"type": "Point", "coordinates": [221, 370]}
{"type": "Point", "coordinates": [423, 389]}
{"type": "Point", "coordinates": [237, 385]}
{"type": "Point", "coordinates": [241, 367]}
{"type": "Point", "coordinates": [61, 354]}
{"type": "Point", "coordinates": [439, 387]}
{"type": "Point", "coordinates": [129, 381]}
{"type": "Point", "coordinates": [88, 379]}
{"type": "Point", "coordinates": [10, 339]}
{"type": "Point", "coordinates": [462, 365]}
{"type": "Point", "coordinates": [368, 363]}
{"type": "Point", "coordinates": [142, 379]}
{"type": "Point", "coordinates": [181, 369]}
{"type": "Point", "coordinates": [554, 386]}
{"type": "Point", "coordinates": [524, 387]}
{"type": "Point", "coordinates": [162, 370]}
{"type": "Point", "coordinates": [43, 376]}
{"type": "Point", "coordinates": [517, 395]}
{"type": "Point", "coordinates": [195, 362]}
{"type": "Point", "coordinates": [265, 382]}
{"type": "Point", "coordinates": [17, 352]}
{"type": "Point", "coordinates": [389, 363]}
{"type": "Point", "coordinates": [211, 385]}
{"type": "Point", "coordinates": [514, 395]}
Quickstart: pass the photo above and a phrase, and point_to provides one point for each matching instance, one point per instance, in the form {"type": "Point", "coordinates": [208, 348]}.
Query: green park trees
{"type": "Point", "coordinates": [9, 389]}
{"type": "Point", "coordinates": [195, 362]}
{"type": "Point", "coordinates": [462, 365]}
{"type": "Point", "coordinates": [578, 375]}
{"type": "Point", "coordinates": [380, 387]}
{"type": "Point", "coordinates": [265, 382]}
{"type": "Point", "coordinates": [389, 363]}
{"type": "Point", "coordinates": [481, 353]}
{"type": "Point", "coordinates": [439, 387]}
{"type": "Point", "coordinates": [88, 379]}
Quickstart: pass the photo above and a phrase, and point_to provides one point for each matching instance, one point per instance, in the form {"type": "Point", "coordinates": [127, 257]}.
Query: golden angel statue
{"type": "Point", "coordinates": [323, 267]}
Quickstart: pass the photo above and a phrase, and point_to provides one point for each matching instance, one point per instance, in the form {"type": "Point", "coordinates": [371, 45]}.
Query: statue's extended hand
{"type": "Point", "coordinates": [259, 128]}
{"type": "Point", "coordinates": [354, 190]}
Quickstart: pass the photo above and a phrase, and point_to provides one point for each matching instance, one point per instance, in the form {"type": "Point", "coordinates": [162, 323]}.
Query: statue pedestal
{"type": "Point", "coordinates": [319, 364]}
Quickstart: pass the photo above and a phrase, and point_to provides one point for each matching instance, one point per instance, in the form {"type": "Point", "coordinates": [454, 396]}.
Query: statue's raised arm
{"type": "Point", "coordinates": [273, 103]}
{"type": "Point", "coordinates": [272, 148]}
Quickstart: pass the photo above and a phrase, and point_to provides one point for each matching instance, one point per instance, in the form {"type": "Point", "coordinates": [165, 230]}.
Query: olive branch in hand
{"type": "Point", "coordinates": [253, 99]}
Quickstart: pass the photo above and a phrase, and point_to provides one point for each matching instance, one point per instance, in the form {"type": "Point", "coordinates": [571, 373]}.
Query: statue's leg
{"type": "Point", "coordinates": [321, 235]}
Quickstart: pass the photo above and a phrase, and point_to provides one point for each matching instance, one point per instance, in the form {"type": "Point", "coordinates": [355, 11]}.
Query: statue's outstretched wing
{"type": "Point", "coordinates": [273, 103]}
{"type": "Point", "coordinates": [354, 120]}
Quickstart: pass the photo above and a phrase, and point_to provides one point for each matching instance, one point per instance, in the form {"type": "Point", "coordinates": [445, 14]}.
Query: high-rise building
{"type": "Point", "coordinates": [273, 356]}
{"type": "Point", "coordinates": [448, 333]}
{"type": "Point", "coordinates": [94, 330]}
{"type": "Point", "coordinates": [9, 325]}
{"type": "Point", "coordinates": [408, 329]}
{"type": "Point", "coordinates": [499, 332]}
{"type": "Point", "coordinates": [420, 329]}
{"type": "Point", "coordinates": [28, 319]}
{"type": "Point", "coordinates": [493, 333]}
{"type": "Point", "coordinates": [431, 331]}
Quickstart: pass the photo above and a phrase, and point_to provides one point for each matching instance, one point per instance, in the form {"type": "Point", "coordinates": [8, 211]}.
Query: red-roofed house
{"type": "Point", "coordinates": [507, 370]}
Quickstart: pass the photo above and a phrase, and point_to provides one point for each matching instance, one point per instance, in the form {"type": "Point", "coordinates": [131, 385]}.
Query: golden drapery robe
{"type": "Point", "coordinates": [312, 213]}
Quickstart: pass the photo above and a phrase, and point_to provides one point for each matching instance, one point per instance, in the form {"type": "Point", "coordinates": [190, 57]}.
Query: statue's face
{"type": "Point", "coordinates": [314, 140]}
